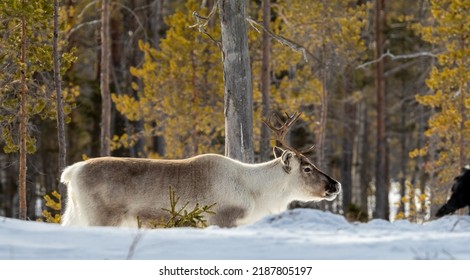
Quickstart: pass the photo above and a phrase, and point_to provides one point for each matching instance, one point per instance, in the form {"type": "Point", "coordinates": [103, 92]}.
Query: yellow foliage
{"type": "Point", "coordinates": [180, 94]}
{"type": "Point", "coordinates": [400, 216]}
{"type": "Point", "coordinates": [49, 218]}
{"type": "Point", "coordinates": [415, 202]}
{"type": "Point", "coordinates": [53, 202]}
{"type": "Point", "coordinates": [128, 106]}
{"type": "Point", "coordinates": [181, 97]}
{"type": "Point", "coordinates": [418, 152]}
{"type": "Point", "coordinates": [40, 102]}
{"type": "Point", "coordinates": [447, 29]}
{"type": "Point", "coordinates": [331, 32]}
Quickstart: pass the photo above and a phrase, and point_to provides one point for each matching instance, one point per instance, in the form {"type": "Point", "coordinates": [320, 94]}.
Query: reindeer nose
{"type": "Point", "coordinates": [333, 187]}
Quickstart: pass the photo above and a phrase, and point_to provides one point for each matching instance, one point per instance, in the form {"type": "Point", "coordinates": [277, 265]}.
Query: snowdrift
{"type": "Point", "coordinates": [294, 234]}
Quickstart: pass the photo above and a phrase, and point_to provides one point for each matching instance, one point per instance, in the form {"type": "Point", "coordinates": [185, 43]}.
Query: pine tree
{"type": "Point", "coordinates": [447, 29]}
{"type": "Point", "coordinates": [26, 52]}
{"type": "Point", "coordinates": [23, 119]}
{"type": "Point", "coordinates": [313, 65]}
{"type": "Point", "coordinates": [59, 103]}
{"type": "Point", "coordinates": [332, 42]}
{"type": "Point", "coordinates": [181, 92]}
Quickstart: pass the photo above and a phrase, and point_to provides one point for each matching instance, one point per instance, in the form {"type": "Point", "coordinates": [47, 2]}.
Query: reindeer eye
{"type": "Point", "coordinates": [307, 169]}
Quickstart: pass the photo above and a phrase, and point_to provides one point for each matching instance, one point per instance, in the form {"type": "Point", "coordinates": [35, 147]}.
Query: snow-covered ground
{"type": "Point", "coordinates": [292, 235]}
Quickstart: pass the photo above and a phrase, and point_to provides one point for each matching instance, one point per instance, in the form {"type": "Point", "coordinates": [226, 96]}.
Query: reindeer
{"type": "Point", "coordinates": [111, 191]}
{"type": "Point", "coordinates": [460, 197]}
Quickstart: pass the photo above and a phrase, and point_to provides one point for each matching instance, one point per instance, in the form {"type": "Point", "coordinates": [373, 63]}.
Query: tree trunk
{"type": "Point", "coordinates": [22, 129]}
{"type": "Point", "coordinates": [433, 156]}
{"type": "Point", "coordinates": [238, 108]}
{"type": "Point", "coordinates": [403, 149]}
{"type": "Point", "coordinates": [364, 162]}
{"type": "Point", "coordinates": [322, 116]}
{"type": "Point", "coordinates": [381, 206]}
{"type": "Point", "coordinates": [463, 121]}
{"type": "Point", "coordinates": [60, 112]}
{"type": "Point", "coordinates": [157, 24]}
{"type": "Point", "coordinates": [104, 81]}
{"type": "Point", "coordinates": [265, 147]}
{"type": "Point", "coordinates": [349, 128]}
{"type": "Point", "coordinates": [8, 179]}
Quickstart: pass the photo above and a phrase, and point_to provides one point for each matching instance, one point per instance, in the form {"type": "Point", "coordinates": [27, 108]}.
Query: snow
{"type": "Point", "coordinates": [300, 234]}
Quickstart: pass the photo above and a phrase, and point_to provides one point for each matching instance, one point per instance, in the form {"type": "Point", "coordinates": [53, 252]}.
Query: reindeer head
{"type": "Point", "coordinates": [310, 182]}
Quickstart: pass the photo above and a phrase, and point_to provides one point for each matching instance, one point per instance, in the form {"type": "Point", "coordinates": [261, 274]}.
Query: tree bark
{"type": "Point", "coordinates": [60, 111]}
{"type": "Point", "coordinates": [403, 149]}
{"type": "Point", "coordinates": [265, 147]}
{"type": "Point", "coordinates": [323, 115]}
{"type": "Point", "coordinates": [104, 81]}
{"type": "Point", "coordinates": [364, 163]}
{"type": "Point", "coordinates": [463, 121]}
{"type": "Point", "coordinates": [349, 128]}
{"type": "Point", "coordinates": [157, 23]}
{"type": "Point", "coordinates": [22, 129]}
{"type": "Point", "coordinates": [238, 108]}
{"type": "Point", "coordinates": [381, 207]}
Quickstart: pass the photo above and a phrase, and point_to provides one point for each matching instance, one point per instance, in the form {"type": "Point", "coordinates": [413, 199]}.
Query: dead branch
{"type": "Point", "coordinates": [286, 42]}
{"type": "Point", "coordinates": [83, 24]}
{"type": "Point", "coordinates": [133, 246]}
{"type": "Point", "coordinates": [396, 57]}
{"type": "Point", "coordinates": [202, 21]}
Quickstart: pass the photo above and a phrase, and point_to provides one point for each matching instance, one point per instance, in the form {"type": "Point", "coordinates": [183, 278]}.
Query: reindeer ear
{"type": "Point", "coordinates": [277, 151]}
{"type": "Point", "coordinates": [285, 159]}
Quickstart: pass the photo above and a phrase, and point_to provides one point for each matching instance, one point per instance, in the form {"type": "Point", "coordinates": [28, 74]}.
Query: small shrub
{"type": "Point", "coordinates": [355, 214]}
{"type": "Point", "coordinates": [180, 217]}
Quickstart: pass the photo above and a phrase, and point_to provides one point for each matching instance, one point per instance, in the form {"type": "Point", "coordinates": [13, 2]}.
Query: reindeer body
{"type": "Point", "coordinates": [460, 196]}
{"type": "Point", "coordinates": [112, 191]}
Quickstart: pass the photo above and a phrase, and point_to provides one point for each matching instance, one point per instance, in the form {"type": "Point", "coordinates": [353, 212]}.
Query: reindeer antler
{"type": "Point", "coordinates": [281, 132]}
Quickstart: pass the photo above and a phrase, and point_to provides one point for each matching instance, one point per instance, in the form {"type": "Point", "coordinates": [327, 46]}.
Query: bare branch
{"type": "Point", "coordinates": [211, 14]}
{"type": "Point", "coordinates": [137, 19]}
{"type": "Point", "coordinates": [93, 22]}
{"type": "Point", "coordinates": [396, 57]}
{"type": "Point", "coordinates": [202, 21]}
{"type": "Point", "coordinates": [286, 42]}
{"type": "Point", "coordinates": [89, 5]}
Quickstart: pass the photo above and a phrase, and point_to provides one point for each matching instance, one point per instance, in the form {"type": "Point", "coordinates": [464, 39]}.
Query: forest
{"type": "Point", "coordinates": [382, 88]}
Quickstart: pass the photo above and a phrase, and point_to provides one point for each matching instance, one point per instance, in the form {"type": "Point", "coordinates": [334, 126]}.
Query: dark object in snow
{"type": "Point", "coordinates": [460, 194]}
